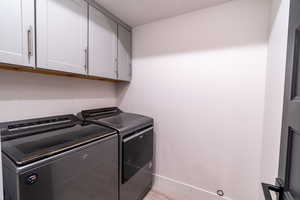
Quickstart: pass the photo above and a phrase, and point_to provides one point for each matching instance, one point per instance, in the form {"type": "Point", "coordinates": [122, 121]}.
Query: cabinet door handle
{"type": "Point", "coordinates": [116, 67]}
{"type": "Point", "coordinates": [86, 60]}
{"type": "Point", "coordinates": [30, 42]}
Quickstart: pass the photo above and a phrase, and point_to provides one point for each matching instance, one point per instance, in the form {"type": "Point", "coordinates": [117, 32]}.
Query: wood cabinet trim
{"type": "Point", "coordinates": [51, 72]}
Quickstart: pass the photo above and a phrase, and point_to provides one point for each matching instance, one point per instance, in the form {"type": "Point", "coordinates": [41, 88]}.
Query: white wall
{"type": "Point", "coordinates": [27, 95]}
{"type": "Point", "coordinates": [275, 89]}
{"type": "Point", "coordinates": [202, 77]}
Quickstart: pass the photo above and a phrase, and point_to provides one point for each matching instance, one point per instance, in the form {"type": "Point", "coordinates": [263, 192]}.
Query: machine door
{"type": "Point", "coordinates": [137, 152]}
{"type": "Point", "coordinates": [86, 173]}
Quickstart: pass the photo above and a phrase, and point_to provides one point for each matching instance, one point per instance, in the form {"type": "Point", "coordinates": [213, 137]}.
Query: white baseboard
{"type": "Point", "coordinates": [181, 191]}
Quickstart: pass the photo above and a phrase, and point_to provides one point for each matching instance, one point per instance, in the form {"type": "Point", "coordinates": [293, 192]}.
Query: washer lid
{"type": "Point", "coordinates": [27, 149]}
{"type": "Point", "coordinates": [124, 122]}
{"type": "Point", "coordinates": [116, 119]}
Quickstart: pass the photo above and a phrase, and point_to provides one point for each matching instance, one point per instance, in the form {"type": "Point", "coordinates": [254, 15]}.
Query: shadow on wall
{"type": "Point", "coordinates": [274, 14]}
{"type": "Point", "coordinates": [200, 32]}
{"type": "Point", "coordinates": [30, 86]}
{"type": "Point", "coordinates": [204, 30]}
{"type": "Point", "coordinates": [121, 90]}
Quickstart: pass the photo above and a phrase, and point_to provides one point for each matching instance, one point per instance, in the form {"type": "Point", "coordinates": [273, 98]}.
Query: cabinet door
{"type": "Point", "coordinates": [62, 35]}
{"type": "Point", "coordinates": [124, 54]}
{"type": "Point", "coordinates": [17, 32]}
{"type": "Point", "coordinates": [102, 45]}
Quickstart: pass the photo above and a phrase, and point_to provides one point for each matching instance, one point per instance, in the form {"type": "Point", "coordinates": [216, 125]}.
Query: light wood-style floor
{"type": "Point", "coordinates": [154, 195]}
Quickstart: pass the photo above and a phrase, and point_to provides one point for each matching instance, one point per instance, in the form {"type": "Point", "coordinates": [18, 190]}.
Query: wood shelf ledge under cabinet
{"type": "Point", "coordinates": [50, 72]}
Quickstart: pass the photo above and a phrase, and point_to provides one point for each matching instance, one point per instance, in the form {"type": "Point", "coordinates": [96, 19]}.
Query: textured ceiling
{"type": "Point", "coordinates": [138, 12]}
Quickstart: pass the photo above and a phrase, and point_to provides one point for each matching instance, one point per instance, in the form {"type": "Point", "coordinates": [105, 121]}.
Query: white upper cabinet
{"type": "Point", "coordinates": [102, 45]}
{"type": "Point", "coordinates": [17, 32]}
{"type": "Point", "coordinates": [62, 35]}
{"type": "Point", "coordinates": [124, 54]}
